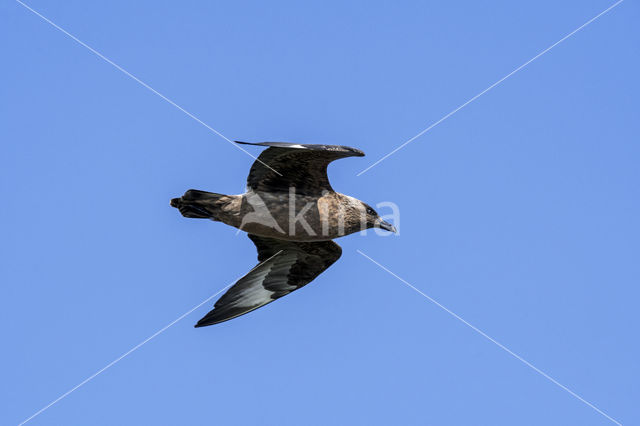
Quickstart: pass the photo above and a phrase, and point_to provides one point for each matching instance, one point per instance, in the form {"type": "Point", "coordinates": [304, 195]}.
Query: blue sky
{"type": "Point", "coordinates": [519, 213]}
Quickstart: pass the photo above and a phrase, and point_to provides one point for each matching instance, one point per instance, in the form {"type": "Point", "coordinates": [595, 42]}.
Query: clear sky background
{"type": "Point", "coordinates": [519, 213]}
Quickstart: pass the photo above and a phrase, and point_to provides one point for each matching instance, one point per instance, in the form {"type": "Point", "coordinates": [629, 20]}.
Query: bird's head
{"type": "Point", "coordinates": [373, 220]}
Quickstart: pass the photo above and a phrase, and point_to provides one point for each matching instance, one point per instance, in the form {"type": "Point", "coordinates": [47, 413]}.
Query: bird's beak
{"type": "Point", "coordinates": [386, 226]}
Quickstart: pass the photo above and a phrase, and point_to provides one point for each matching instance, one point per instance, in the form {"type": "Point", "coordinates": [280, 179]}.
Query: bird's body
{"type": "Point", "coordinates": [280, 215]}
{"type": "Point", "coordinates": [291, 213]}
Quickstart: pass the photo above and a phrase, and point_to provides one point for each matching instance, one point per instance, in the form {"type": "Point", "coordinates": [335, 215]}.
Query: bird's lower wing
{"type": "Point", "coordinates": [287, 266]}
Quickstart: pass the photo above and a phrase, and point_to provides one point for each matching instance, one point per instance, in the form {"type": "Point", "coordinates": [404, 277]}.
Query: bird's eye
{"type": "Point", "coordinates": [370, 211]}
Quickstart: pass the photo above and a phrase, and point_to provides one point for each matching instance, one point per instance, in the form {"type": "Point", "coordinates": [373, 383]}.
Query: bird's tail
{"type": "Point", "coordinates": [200, 204]}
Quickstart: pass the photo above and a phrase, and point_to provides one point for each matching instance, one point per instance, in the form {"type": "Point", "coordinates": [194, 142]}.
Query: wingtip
{"type": "Point", "coordinates": [202, 323]}
{"type": "Point", "coordinates": [206, 321]}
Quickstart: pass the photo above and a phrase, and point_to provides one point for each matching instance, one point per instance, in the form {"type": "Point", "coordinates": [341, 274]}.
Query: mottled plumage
{"type": "Point", "coordinates": [285, 267]}
{"type": "Point", "coordinates": [291, 213]}
{"type": "Point", "coordinates": [301, 166]}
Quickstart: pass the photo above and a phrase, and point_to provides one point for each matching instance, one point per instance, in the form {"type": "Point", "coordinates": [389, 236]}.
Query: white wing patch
{"type": "Point", "coordinates": [288, 267]}
{"type": "Point", "coordinates": [255, 294]}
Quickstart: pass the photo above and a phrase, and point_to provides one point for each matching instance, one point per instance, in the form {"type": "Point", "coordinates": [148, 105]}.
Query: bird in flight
{"type": "Point", "coordinates": [291, 214]}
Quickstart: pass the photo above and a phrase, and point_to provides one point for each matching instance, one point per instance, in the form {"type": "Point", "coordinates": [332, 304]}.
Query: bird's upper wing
{"type": "Point", "coordinates": [286, 266]}
{"type": "Point", "coordinates": [284, 165]}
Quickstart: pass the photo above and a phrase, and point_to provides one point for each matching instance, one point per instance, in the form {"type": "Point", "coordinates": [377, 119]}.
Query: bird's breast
{"type": "Point", "coordinates": [296, 217]}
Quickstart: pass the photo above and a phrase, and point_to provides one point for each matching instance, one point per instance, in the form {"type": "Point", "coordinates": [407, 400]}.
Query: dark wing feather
{"type": "Point", "coordinates": [284, 165]}
{"type": "Point", "coordinates": [287, 266]}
